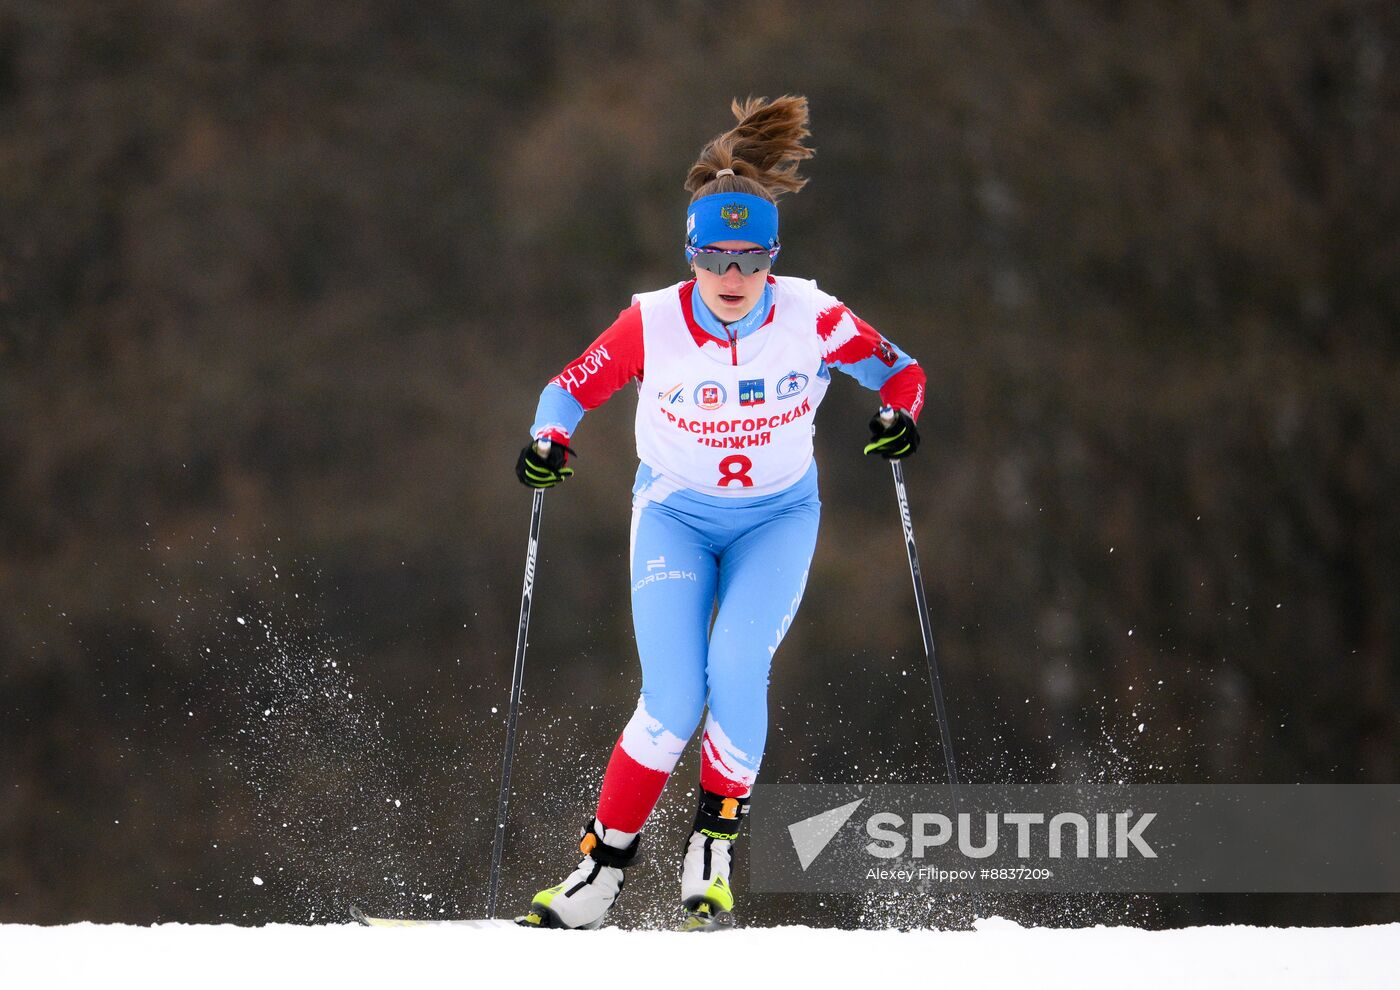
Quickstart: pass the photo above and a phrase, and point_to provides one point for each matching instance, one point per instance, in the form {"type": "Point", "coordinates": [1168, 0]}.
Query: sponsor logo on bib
{"type": "Point", "coordinates": [791, 384]}
{"type": "Point", "coordinates": [710, 395]}
{"type": "Point", "coordinates": [751, 392]}
{"type": "Point", "coordinates": [674, 394]}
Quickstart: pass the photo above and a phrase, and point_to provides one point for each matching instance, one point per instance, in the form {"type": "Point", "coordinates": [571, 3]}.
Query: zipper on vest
{"type": "Point", "coordinates": [733, 346]}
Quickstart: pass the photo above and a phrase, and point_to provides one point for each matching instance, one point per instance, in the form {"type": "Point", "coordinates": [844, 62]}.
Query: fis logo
{"type": "Point", "coordinates": [673, 395]}
{"type": "Point", "coordinates": [791, 384]}
{"type": "Point", "coordinates": [710, 395]}
{"type": "Point", "coordinates": [751, 392]}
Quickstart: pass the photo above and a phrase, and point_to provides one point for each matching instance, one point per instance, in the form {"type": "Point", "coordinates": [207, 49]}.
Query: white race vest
{"type": "Point", "coordinates": [724, 429]}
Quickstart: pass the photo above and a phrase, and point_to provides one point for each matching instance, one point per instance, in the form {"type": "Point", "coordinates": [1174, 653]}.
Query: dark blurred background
{"type": "Point", "coordinates": [280, 283]}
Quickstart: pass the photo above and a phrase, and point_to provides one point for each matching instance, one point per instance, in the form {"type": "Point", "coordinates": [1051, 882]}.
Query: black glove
{"type": "Point", "coordinates": [894, 440]}
{"type": "Point", "coordinates": [536, 470]}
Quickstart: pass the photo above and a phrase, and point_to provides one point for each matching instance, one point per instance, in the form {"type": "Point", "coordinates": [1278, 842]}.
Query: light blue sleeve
{"type": "Point", "coordinates": [871, 371]}
{"type": "Point", "coordinates": [558, 410]}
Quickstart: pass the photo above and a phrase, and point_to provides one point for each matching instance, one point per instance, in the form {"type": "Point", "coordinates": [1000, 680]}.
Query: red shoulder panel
{"type": "Point", "coordinates": [609, 363]}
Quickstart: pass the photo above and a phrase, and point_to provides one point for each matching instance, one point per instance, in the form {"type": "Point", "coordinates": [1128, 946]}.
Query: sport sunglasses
{"type": "Point", "coordinates": [718, 260]}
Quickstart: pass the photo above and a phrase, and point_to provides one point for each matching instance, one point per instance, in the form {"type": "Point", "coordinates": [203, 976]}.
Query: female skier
{"type": "Point", "coordinates": [731, 366]}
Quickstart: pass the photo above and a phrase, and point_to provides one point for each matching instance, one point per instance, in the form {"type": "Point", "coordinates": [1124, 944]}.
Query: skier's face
{"type": "Point", "coordinates": [730, 296]}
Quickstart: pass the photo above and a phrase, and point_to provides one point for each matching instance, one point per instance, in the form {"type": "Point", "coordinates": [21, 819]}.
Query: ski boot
{"type": "Point", "coordinates": [706, 896]}
{"type": "Point", "coordinates": [584, 897]}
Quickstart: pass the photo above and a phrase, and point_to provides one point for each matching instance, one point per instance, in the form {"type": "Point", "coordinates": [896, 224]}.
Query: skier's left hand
{"type": "Point", "coordinates": [893, 434]}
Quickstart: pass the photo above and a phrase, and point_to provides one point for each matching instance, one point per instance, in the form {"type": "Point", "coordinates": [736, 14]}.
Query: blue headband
{"type": "Point", "coordinates": [731, 217]}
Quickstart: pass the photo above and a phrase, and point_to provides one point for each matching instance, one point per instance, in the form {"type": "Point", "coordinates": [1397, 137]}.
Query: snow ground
{"type": "Point", "coordinates": [999, 953]}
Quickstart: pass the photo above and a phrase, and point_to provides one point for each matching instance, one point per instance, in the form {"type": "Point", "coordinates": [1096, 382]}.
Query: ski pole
{"type": "Point", "coordinates": [925, 626]}
{"type": "Point", "coordinates": [516, 677]}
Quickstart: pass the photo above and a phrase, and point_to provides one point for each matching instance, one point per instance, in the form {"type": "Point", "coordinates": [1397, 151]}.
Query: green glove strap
{"type": "Point", "coordinates": [884, 443]}
{"type": "Point", "coordinates": [542, 477]}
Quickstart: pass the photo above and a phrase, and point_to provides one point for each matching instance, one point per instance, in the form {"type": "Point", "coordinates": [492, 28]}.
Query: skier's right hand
{"type": "Point", "coordinates": [893, 434]}
{"type": "Point", "coordinates": [541, 464]}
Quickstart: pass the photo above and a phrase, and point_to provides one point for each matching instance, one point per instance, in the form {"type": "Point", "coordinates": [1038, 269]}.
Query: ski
{"type": "Point", "coordinates": [373, 922]}
{"type": "Point", "coordinates": [700, 919]}
{"type": "Point", "coordinates": [694, 921]}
